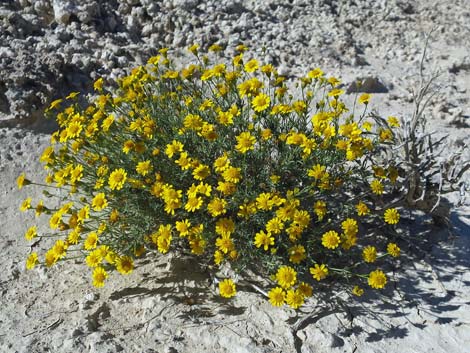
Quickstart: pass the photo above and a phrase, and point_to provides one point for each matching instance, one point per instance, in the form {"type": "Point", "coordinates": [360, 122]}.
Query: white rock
{"type": "Point", "coordinates": [185, 4]}
{"type": "Point", "coordinates": [63, 9]}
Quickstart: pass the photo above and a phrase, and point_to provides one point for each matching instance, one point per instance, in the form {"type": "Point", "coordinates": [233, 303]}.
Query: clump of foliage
{"type": "Point", "coordinates": [221, 160]}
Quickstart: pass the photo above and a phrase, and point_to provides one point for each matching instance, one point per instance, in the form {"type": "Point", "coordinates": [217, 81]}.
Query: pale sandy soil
{"type": "Point", "coordinates": [169, 305]}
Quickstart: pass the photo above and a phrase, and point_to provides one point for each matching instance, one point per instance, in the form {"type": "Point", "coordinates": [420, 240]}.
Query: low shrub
{"type": "Point", "coordinates": [230, 163]}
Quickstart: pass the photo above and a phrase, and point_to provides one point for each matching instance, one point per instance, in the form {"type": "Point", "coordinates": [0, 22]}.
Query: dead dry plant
{"type": "Point", "coordinates": [427, 172]}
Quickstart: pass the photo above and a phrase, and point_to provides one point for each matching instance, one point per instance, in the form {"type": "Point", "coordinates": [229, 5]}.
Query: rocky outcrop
{"type": "Point", "coordinates": [49, 48]}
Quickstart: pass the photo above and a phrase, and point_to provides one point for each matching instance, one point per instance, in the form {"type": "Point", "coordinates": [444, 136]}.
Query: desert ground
{"type": "Point", "coordinates": [49, 48]}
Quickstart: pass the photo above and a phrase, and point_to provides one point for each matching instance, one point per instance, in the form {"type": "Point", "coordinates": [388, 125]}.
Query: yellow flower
{"type": "Point", "coordinates": [76, 174]}
{"type": "Point", "coordinates": [74, 129]}
{"type": "Point", "coordinates": [241, 48]}
{"type": "Point", "coordinates": [40, 208]}
{"type": "Point", "coordinates": [224, 243]}
{"type": "Point", "coordinates": [391, 216]}
{"type": "Point", "coordinates": [215, 48]}
{"type": "Point", "coordinates": [91, 241]}
{"type": "Point", "coordinates": [277, 296]}
{"type": "Point", "coordinates": [357, 291]}
{"type": "Point", "coordinates": [221, 163]}
{"type": "Point", "coordinates": [250, 87]}
{"type": "Point", "coordinates": [143, 168]}
{"type": "Point", "coordinates": [369, 254]}
{"type": "Point", "coordinates": [379, 172]}
{"type": "Point", "coordinates": [317, 171]}
{"type": "Point", "coordinates": [320, 209]}
{"type": "Point", "coordinates": [350, 227]}
{"type": "Point", "coordinates": [22, 181]}
{"type": "Point", "coordinates": [226, 188]}
{"type": "Point", "coordinates": [73, 237]}
{"type": "Point", "coordinates": [32, 261]}
{"type": "Point", "coordinates": [26, 204]}
{"type": "Point", "coordinates": [393, 174]}
{"type": "Point", "coordinates": [204, 189]}
{"type": "Point", "coordinates": [99, 276]}
{"type": "Point", "coordinates": [114, 216]}
{"type": "Point", "coordinates": [99, 183]}
{"type": "Point", "coordinates": [294, 299]}
{"type": "Point", "coordinates": [117, 179]}
{"type": "Point", "coordinates": [301, 218]}
{"type": "Point", "coordinates": [268, 69]}
{"type": "Point", "coordinates": [260, 102]}
{"type": "Point", "coordinates": [55, 220]}
{"type": "Point", "coordinates": [348, 241]}
{"type": "Point", "coordinates": [99, 202]}
{"type": "Point", "coordinates": [315, 73]}
{"type": "Point", "coordinates": [264, 202]}
{"type": "Point", "coordinates": [319, 271]}
{"type": "Point", "coordinates": [193, 204]}
{"type": "Point", "coordinates": [172, 199]}
{"type": "Point", "coordinates": [98, 85]}
{"type": "Point", "coordinates": [94, 258]}
{"type": "Point", "coordinates": [54, 104]}
{"type": "Point", "coordinates": [216, 207]}
{"type": "Point", "coordinates": [83, 214]}
{"type": "Point", "coordinates": [192, 191]}
{"type": "Point", "coordinates": [377, 279]}
{"type": "Point", "coordinates": [183, 227]}
{"type": "Point", "coordinates": [299, 106]}
{"type": "Point", "coordinates": [47, 155]}
{"type": "Point", "coordinates": [173, 147]}
{"type": "Point", "coordinates": [336, 92]}
{"type": "Point", "coordinates": [218, 257]}
{"type": "Point", "coordinates": [362, 209]}
{"type": "Point", "coordinates": [286, 276]}
{"type": "Point", "coordinates": [59, 249]}
{"type": "Point", "coordinates": [263, 239]}
{"type": "Point", "coordinates": [164, 239]}
{"type": "Point", "coordinates": [330, 239]}
{"type": "Point", "coordinates": [197, 245]}
{"type": "Point", "coordinates": [305, 289]}
{"type": "Point", "coordinates": [163, 51]}
{"type": "Point", "coordinates": [124, 265]}
{"type": "Point", "coordinates": [193, 48]}
{"type": "Point", "coordinates": [128, 146]}
{"type": "Point", "coordinates": [101, 228]}
{"type": "Point", "coordinates": [170, 74]}
{"type": "Point", "coordinates": [297, 254]}
{"type": "Point", "coordinates": [227, 288]}
{"type": "Point", "coordinates": [275, 225]}
{"type": "Point", "coordinates": [364, 98]}
{"type": "Point", "coordinates": [65, 208]}
{"type": "Point", "coordinates": [266, 134]}
{"type": "Point", "coordinates": [207, 74]}
{"type": "Point", "coordinates": [393, 121]}
{"type": "Point", "coordinates": [251, 66]}
{"type": "Point", "coordinates": [225, 118]}
{"type": "Point", "coordinates": [377, 187]}
{"type": "Point", "coordinates": [246, 210]}
{"type": "Point", "coordinates": [139, 251]}
{"type": "Point", "coordinates": [31, 233]}
{"type": "Point", "coordinates": [72, 95]}
{"type": "Point", "coordinates": [385, 135]}
{"type": "Point", "coordinates": [333, 81]}
{"type": "Point", "coordinates": [50, 258]}
{"type": "Point", "coordinates": [201, 172]}
{"type": "Point", "coordinates": [206, 104]}
{"type": "Point", "coordinates": [245, 142]}
{"type": "Point", "coordinates": [232, 174]}
{"type": "Point", "coordinates": [393, 249]}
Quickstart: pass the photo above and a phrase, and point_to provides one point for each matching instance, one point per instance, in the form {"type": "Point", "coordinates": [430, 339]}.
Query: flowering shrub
{"type": "Point", "coordinates": [226, 162]}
